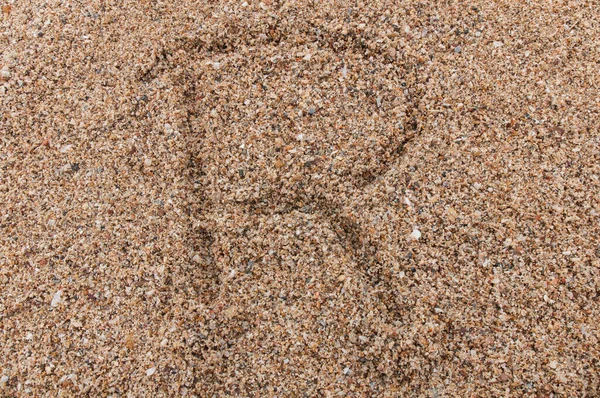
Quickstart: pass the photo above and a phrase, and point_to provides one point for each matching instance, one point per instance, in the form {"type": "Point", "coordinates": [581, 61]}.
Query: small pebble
{"type": "Point", "coordinates": [278, 143]}
{"type": "Point", "coordinates": [76, 323]}
{"type": "Point", "coordinates": [151, 371]}
{"type": "Point", "coordinates": [230, 312]}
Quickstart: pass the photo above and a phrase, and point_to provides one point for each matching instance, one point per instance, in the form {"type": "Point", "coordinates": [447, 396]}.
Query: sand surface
{"type": "Point", "coordinates": [300, 199]}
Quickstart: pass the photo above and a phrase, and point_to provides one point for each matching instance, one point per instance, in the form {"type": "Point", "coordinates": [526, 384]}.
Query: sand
{"type": "Point", "coordinates": [300, 199]}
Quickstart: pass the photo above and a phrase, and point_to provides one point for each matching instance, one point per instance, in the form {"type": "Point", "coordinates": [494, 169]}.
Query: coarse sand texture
{"type": "Point", "coordinates": [300, 199]}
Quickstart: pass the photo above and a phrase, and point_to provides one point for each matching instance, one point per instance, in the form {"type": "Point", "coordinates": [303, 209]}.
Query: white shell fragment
{"type": "Point", "coordinates": [56, 299]}
{"type": "Point", "coordinates": [415, 234]}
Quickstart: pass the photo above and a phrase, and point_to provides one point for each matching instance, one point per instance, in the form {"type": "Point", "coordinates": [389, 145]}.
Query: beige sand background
{"type": "Point", "coordinates": [299, 198]}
